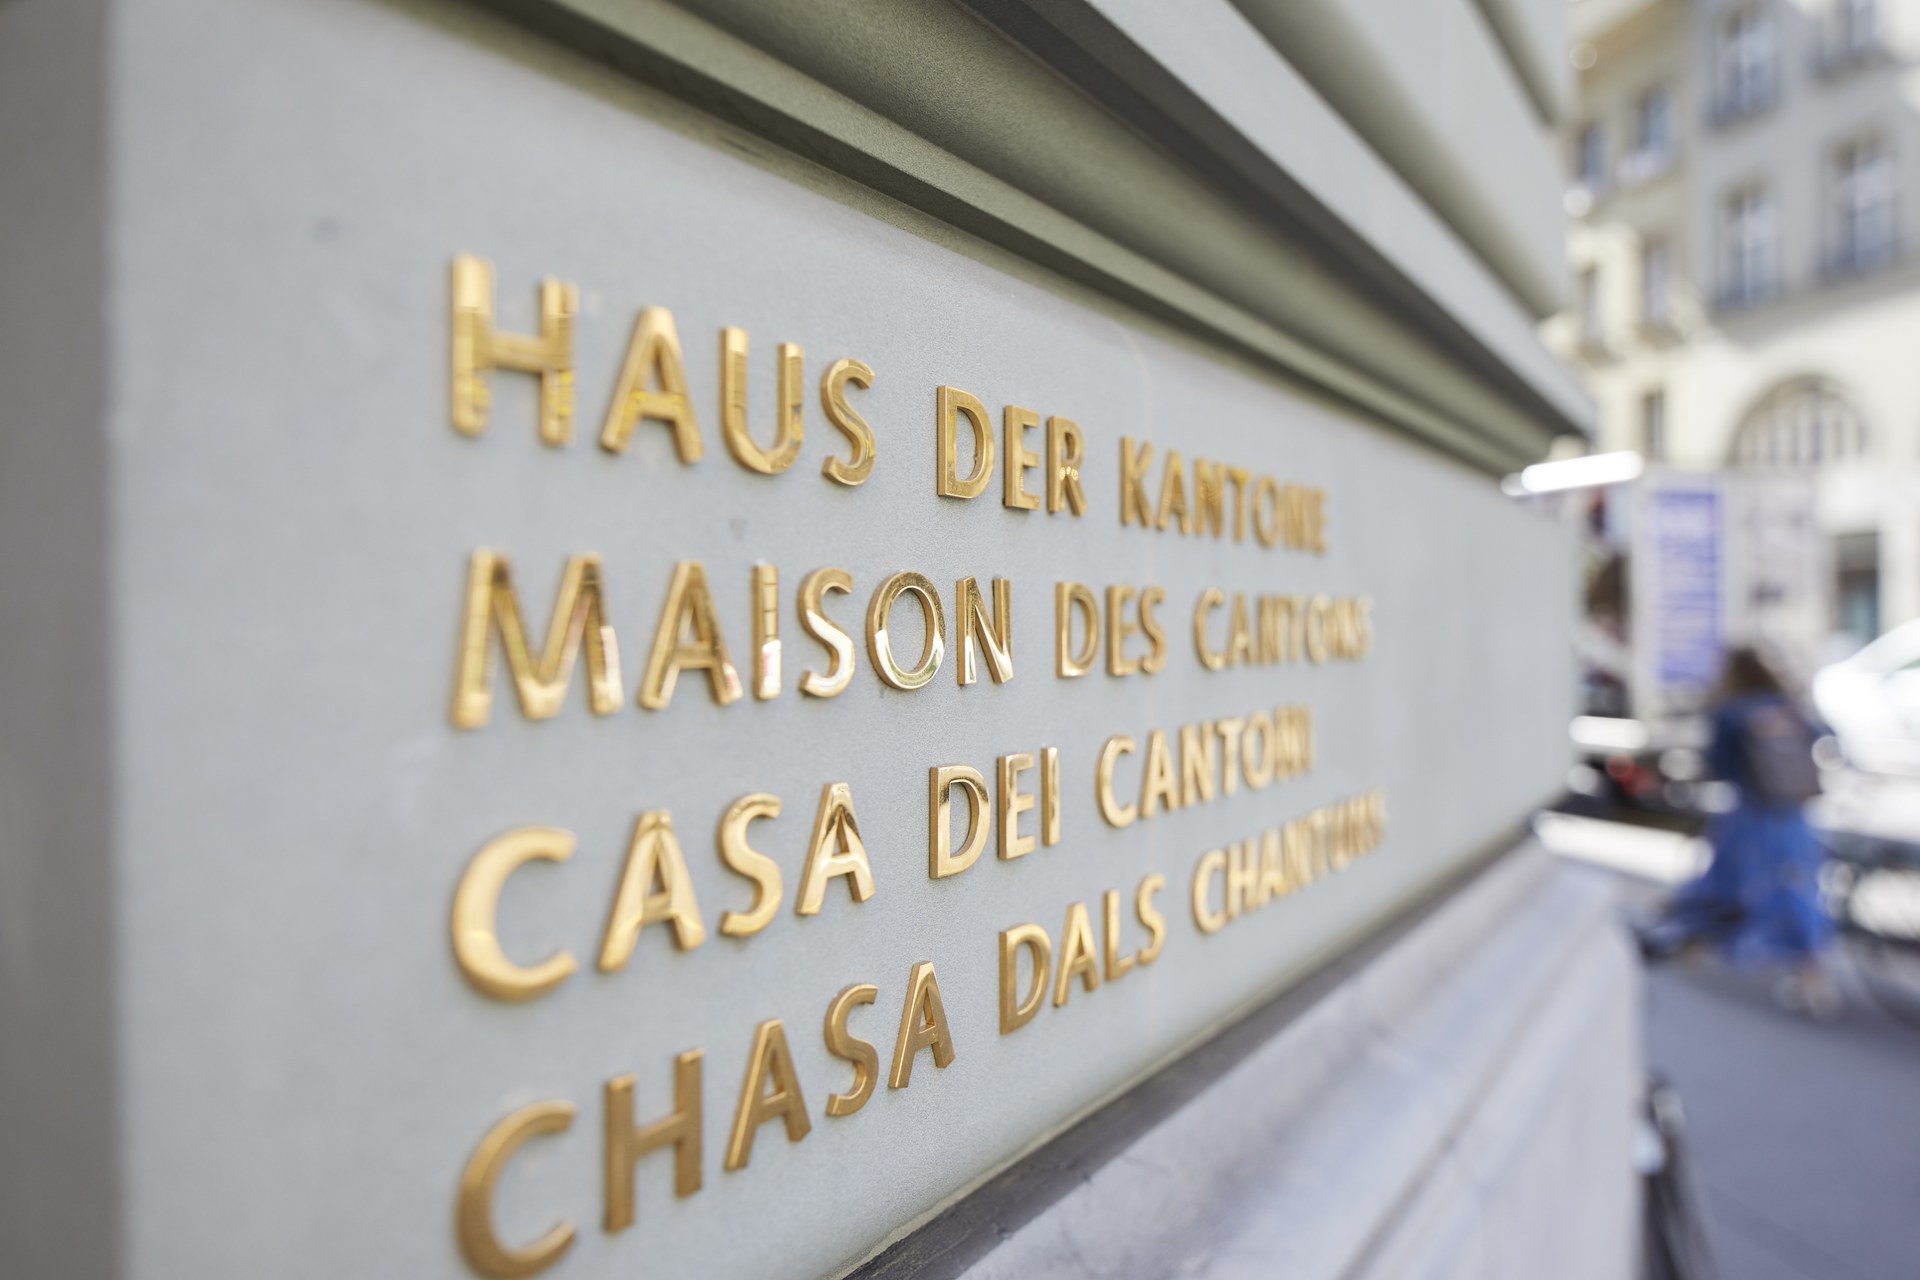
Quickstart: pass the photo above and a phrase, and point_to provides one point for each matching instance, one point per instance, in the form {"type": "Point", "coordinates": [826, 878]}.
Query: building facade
{"type": "Point", "coordinates": [1744, 202]}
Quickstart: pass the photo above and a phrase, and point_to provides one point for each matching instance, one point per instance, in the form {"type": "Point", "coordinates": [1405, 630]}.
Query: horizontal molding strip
{"type": "Point", "coordinates": [1284, 308]}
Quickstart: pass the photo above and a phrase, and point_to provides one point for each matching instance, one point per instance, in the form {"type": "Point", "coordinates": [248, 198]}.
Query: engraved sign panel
{"type": "Point", "coordinates": [687, 715]}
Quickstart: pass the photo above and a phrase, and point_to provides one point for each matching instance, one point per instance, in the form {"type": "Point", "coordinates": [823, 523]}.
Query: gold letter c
{"type": "Point", "coordinates": [476, 903]}
{"type": "Point", "coordinates": [473, 1213]}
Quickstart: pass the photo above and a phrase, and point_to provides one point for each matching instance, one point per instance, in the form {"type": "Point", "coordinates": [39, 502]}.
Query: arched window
{"type": "Point", "coordinates": [1799, 425]}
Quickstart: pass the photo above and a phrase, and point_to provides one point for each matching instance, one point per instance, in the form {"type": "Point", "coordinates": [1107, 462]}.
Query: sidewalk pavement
{"type": "Point", "coordinates": [1805, 1136]}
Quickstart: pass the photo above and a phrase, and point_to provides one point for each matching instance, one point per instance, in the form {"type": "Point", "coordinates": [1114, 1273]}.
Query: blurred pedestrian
{"type": "Point", "coordinates": [1759, 899]}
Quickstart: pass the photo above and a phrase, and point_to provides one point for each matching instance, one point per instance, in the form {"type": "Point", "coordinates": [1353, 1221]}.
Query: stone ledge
{"type": "Point", "coordinates": [1466, 1097]}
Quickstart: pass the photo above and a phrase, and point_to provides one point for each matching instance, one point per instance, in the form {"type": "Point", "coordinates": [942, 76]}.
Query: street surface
{"type": "Point", "coordinates": [1804, 1136]}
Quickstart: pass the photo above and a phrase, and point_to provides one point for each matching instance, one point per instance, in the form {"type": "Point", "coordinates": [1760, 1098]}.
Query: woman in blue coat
{"type": "Point", "coordinates": [1759, 898]}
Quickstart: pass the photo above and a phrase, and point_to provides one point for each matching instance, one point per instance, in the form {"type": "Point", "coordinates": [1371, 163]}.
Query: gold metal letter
{"type": "Point", "coordinates": [996, 640]}
{"type": "Point", "coordinates": [1196, 763]}
{"type": "Point", "coordinates": [473, 1213]}
{"type": "Point", "coordinates": [1238, 477]}
{"type": "Point", "coordinates": [1150, 916]}
{"type": "Point", "coordinates": [1173, 495]}
{"type": "Point", "coordinates": [1210, 599]}
{"type": "Point", "coordinates": [579, 622]}
{"type": "Point", "coordinates": [478, 347]}
{"type": "Point", "coordinates": [1118, 629]}
{"type": "Point", "coordinates": [923, 1024]}
{"type": "Point", "coordinates": [842, 417]}
{"type": "Point", "coordinates": [1209, 497]}
{"type": "Point", "coordinates": [653, 357]}
{"type": "Point", "coordinates": [1316, 628]}
{"type": "Point", "coordinates": [834, 825]}
{"type": "Point", "coordinates": [769, 1062]}
{"type": "Point", "coordinates": [842, 1043]}
{"type": "Point", "coordinates": [1117, 965]}
{"type": "Point", "coordinates": [1077, 955]}
{"type": "Point", "coordinates": [1070, 598]}
{"type": "Point", "coordinates": [754, 865]}
{"type": "Point", "coordinates": [951, 402]}
{"type": "Point", "coordinates": [1049, 796]}
{"type": "Point", "coordinates": [1015, 423]}
{"type": "Point", "coordinates": [476, 942]}
{"type": "Point", "coordinates": [1116, 814]}
{"type": "Point", "coordinates": [654, 885]}
{"type": "Point", "coordinates": [1033, 939]}
{"type": "Point", "coordinates": [623, 1144]}
{"type": "Point", "coordinates": [1257, 762]}
{"type": "Point", "coordinates": [1210, 865]}
{"type": "Point", "coordinates": [1013, 803]}
{"type": "Point", "coordinates": [1243, 878]}
{"type": "Point", "coordinates": [1156, 657]}
{"type": "Point", "coordinates": [1266, 491]}
{"type": "Point", "coordinates": [688, 608]}
{"type": "Point", "coordinates": [942, 861]}
{"type": "Point", "coordinates": [1158, 785]}
{"type": "Point", "coordinates": [813, 590]}
{"type": "Point", "coordinates": [733, 406]}
{"type": "Point", "coordinates": [880, 644]}
{"type": "Point", "coordinates": [1229, 730]}
{"type": "Point", "coordinates": [1066, 449]}
{"type": "Point", "coordinates": [1134, 506]}
{"type": "Point", "coordinates": [766, 632]}
{"type": "Point", "coordinates": [1273, 866]}
{"type": "Point", "coordinates": [1239, 634]}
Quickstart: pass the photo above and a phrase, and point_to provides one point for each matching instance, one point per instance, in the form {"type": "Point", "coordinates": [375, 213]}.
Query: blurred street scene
{"type": "Point", "coordinates": [1743, 202]}
{"type": "Point", "coordinates": [1742, 210]}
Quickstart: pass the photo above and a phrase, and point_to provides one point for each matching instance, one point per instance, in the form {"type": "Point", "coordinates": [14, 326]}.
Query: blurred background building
{"type": "Point", "coordinates": [1743, 218]}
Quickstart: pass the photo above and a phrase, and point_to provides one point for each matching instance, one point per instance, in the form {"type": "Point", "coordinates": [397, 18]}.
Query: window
{"type": "Point", "coordinates": [1589, 303]}
{"type": "Point", "coordinates": [1590, 159]}
{"type": "Point", "coordinates": [1744, 63]}
{"type": "Point", "coordinates": [1851, 36]}
{"type": "Point", "coordinates": [1656, 283]}
{"type": "Point", "coordinates": [1654, 123]}
{"type": "Point", "coordinates": [1653, 426]}
{"type": "Point", "coordinates": [1860, 208]}
{"type": "Point", "coordinates": [1652, 136]}
{"type": "Point", "coordinates": [1856, 563]}
{"type": "Point", "coordinates": [1749, 247]}
{"type": "Point", "coordinates": [1803, 424]}
{"type": "Point", "coordinates": [1854, 30]}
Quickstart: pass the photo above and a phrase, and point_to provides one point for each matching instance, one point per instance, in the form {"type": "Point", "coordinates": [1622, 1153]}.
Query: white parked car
{"type": "Point", "coordinates": [1872, 703]}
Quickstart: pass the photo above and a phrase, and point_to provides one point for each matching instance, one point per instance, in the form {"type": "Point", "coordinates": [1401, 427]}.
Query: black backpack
{"type": "Point", "coordinates": [1776, 746]}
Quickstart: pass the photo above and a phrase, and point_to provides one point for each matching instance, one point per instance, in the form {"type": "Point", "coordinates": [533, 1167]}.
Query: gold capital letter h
{"type": "Point", "coordinates": [479, 347]}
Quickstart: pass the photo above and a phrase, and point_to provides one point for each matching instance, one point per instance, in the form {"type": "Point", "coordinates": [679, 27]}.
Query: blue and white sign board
{"type": "Point", "coordinates": [1680, 570]}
